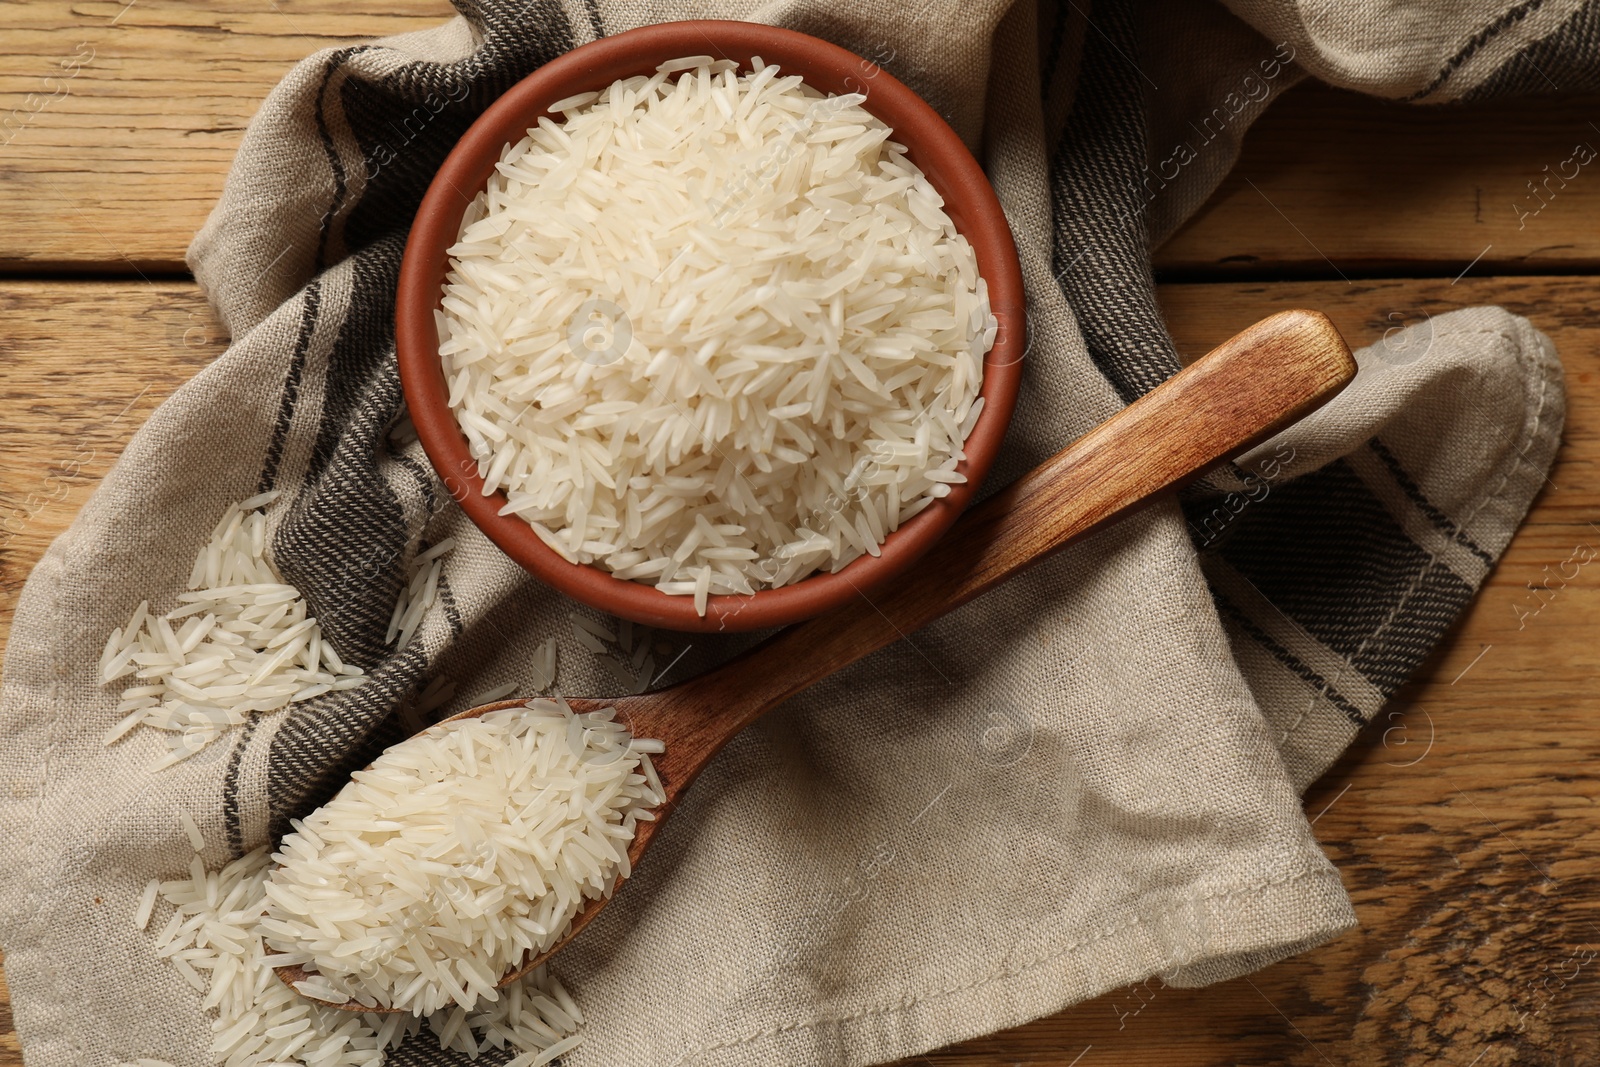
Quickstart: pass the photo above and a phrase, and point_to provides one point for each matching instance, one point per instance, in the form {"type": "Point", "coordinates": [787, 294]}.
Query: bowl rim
{"type": "Point", "coordinates": [930, 142]}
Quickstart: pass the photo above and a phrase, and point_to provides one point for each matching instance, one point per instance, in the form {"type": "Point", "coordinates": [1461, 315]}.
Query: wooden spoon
{"type": "Point", "coordinates": [1231, 398]}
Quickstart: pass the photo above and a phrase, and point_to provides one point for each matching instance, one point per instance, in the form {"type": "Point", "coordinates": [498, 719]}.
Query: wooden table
{"type": "Point", "coordinates": [1466, 822]}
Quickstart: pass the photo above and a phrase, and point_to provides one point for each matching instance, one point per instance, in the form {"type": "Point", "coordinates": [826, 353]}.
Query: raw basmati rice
{"type": "Point", "coordinates": [192, 830]}
{"type": "Point", "coordinates": [147, 903]}
{"type": "Point", "coordinates": [456, 852]}
{"type": "Point", "coordinates": [544, 664]}
{"type": "Point", "coordinates": [420, 593]}
{"type": "Point", "coordinates": [488, 696]}
{"type": "Point", "coordinates": [713, 331]}
{"type": "Point", "coordinates": [624, 652]}
{"type": "Point", "coordinates": [212, 938]}
{"type": "Point", "coordinates": [239, 643]}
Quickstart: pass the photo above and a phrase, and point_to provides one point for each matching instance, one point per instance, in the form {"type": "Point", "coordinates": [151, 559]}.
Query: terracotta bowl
{"type": "Point", "coordinates": [931, 144]}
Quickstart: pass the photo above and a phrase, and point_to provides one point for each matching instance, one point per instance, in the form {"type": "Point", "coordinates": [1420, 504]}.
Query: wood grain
{"type": "Point", "coordinates": [1464, 822]}
{"type": "Point", "coordinates": [118, 119]}
{"type": "Point", "coordinates": [85, 365]}
{"type": "Point", "coordinates": [119, 122]}
{"type": "Point", "coordinates": [1332, 184]}
{"type": "Point", "coordinates": [10, 1047]}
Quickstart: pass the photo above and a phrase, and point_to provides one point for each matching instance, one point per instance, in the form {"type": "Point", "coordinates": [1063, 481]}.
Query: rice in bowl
{"type": "Point", "coordinates": [714, 331]}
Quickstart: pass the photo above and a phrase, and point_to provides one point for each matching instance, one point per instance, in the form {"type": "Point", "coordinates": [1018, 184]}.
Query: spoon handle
{"type": "Point", "coordinates": [1233, 397]}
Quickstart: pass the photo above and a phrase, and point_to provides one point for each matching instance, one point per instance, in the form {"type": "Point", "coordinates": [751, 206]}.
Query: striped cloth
{"type": "Point", "coordinates": [1089, 777]}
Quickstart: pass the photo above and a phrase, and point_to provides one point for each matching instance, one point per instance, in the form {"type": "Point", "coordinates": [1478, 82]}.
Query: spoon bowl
{"type": "Point", "coordinates": [1228, 400]}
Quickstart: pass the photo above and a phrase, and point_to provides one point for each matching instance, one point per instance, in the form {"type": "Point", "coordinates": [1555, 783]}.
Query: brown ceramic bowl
{"type": "Point", "coordinates": [930, 143]}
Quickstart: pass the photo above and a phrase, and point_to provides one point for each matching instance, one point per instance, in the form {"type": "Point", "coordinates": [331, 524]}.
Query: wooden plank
{"type": "Point", "coordinates": [114, 160]}
{"type": "Point", "coordinates": [120, 118]}
{"type": "Point", "coordinates": [1331, 184]}
{"type": "Point", "coordinates": [68, 417]}
{"type": "Point", "coordinates": [1472, 867]}
{"type": "Point", "coordinates": [10, 1048]}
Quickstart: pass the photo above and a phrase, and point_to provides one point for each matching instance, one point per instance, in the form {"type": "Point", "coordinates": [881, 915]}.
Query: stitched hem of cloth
{"type": "Point", "coordinates": [1020, 991]}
